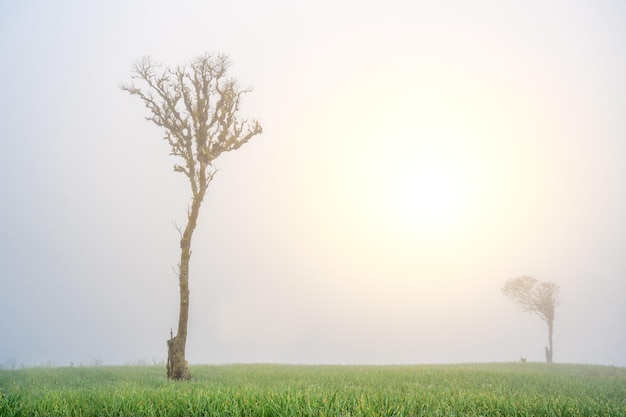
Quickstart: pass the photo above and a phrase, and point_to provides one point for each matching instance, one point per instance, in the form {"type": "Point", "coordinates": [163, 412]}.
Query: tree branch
{"type": "Point", "coordinates": [197, 106]}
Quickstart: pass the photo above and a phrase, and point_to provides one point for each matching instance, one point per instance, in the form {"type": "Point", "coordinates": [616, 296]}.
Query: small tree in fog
{"type": "Point", "coordinates": [536, 297]}
{"type": "Point", "coordinates": [197, 105]}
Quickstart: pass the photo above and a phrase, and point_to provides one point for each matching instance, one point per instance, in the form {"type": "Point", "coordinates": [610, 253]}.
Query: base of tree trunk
{"type": "Point", "coordinates": [548, 354]}
{"type": "Point", "coordinates": [177, 366]}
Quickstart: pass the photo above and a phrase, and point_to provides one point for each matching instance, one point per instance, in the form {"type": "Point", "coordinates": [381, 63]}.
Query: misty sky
{"type": "Point", "coordinates": [415, 156]}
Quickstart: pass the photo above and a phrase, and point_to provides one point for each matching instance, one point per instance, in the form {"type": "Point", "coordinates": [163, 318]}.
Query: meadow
{"type": "Point", "coordinates": [511, 389]}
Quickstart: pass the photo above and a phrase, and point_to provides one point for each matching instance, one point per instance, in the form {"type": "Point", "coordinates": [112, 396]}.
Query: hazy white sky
{"type": "Point", "coordinates": [415, 155]}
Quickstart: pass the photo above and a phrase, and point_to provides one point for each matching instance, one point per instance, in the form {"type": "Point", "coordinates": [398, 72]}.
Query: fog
{"type": "Point", "coordinates": [415, 156]}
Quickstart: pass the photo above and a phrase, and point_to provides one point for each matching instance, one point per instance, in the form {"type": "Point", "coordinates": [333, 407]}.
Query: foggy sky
{"type": "Point", "coordinates": [414, 157]}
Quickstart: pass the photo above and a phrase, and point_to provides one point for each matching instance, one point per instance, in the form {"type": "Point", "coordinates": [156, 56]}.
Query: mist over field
{"type": "Point", "coordinates": [414, 157]}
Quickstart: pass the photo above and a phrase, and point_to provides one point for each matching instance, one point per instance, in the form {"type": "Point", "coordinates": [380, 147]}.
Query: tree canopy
{"type": "Point", "coordinates": [533, 296]}
{"type": "Point", "coordinates": [197, 105]}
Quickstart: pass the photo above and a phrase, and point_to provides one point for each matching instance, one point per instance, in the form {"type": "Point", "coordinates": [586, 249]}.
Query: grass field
{"type": "Point", "coordinates": [515, 389]}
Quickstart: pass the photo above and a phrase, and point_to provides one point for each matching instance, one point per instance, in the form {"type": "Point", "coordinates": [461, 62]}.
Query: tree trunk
{"type": "Point", "coordinates": [177, 366]}
{"type": "Point", "coordinates": [549, 351]}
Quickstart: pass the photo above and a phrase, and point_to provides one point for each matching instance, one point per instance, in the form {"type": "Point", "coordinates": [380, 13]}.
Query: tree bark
{"type": "Point", "coordinates": [177, 365]}
{"type": "Point", "coordinates": [549, 351]}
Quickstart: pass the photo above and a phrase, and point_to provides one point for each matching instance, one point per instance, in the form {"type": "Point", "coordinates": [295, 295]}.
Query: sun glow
{"type": "Point", "coordinates": [429, 182]}
{"type": "Point", "coordinates": [424, 166]}
{"type": "Point", "coordinates": [430, 193]}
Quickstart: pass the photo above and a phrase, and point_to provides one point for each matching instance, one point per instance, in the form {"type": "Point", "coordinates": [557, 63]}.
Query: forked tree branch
{"type": "Point", "coordinates": [197, 105]}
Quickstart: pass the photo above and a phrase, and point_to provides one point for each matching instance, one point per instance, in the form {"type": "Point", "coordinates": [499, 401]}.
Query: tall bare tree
{"type": "Point", "coordinates": [197, 104]}
{"type": "Point", "coordinates": [536, 297]}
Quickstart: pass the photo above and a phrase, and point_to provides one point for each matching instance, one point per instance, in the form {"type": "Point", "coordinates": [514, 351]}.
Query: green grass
{"type": "Point", "coordinates": [528, 389]}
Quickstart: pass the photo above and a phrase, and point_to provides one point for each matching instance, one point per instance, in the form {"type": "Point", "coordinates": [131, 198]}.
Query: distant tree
{"type": "Point", "coordinates": [536, 297]}
{"type": "Point", "coordinates": [197, 105]}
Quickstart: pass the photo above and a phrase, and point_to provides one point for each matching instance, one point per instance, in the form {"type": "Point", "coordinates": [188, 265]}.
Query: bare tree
{"type": "Point", "coordinates": [536, 297]}
{"type": "Point", "coordinates": [197, 105]}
